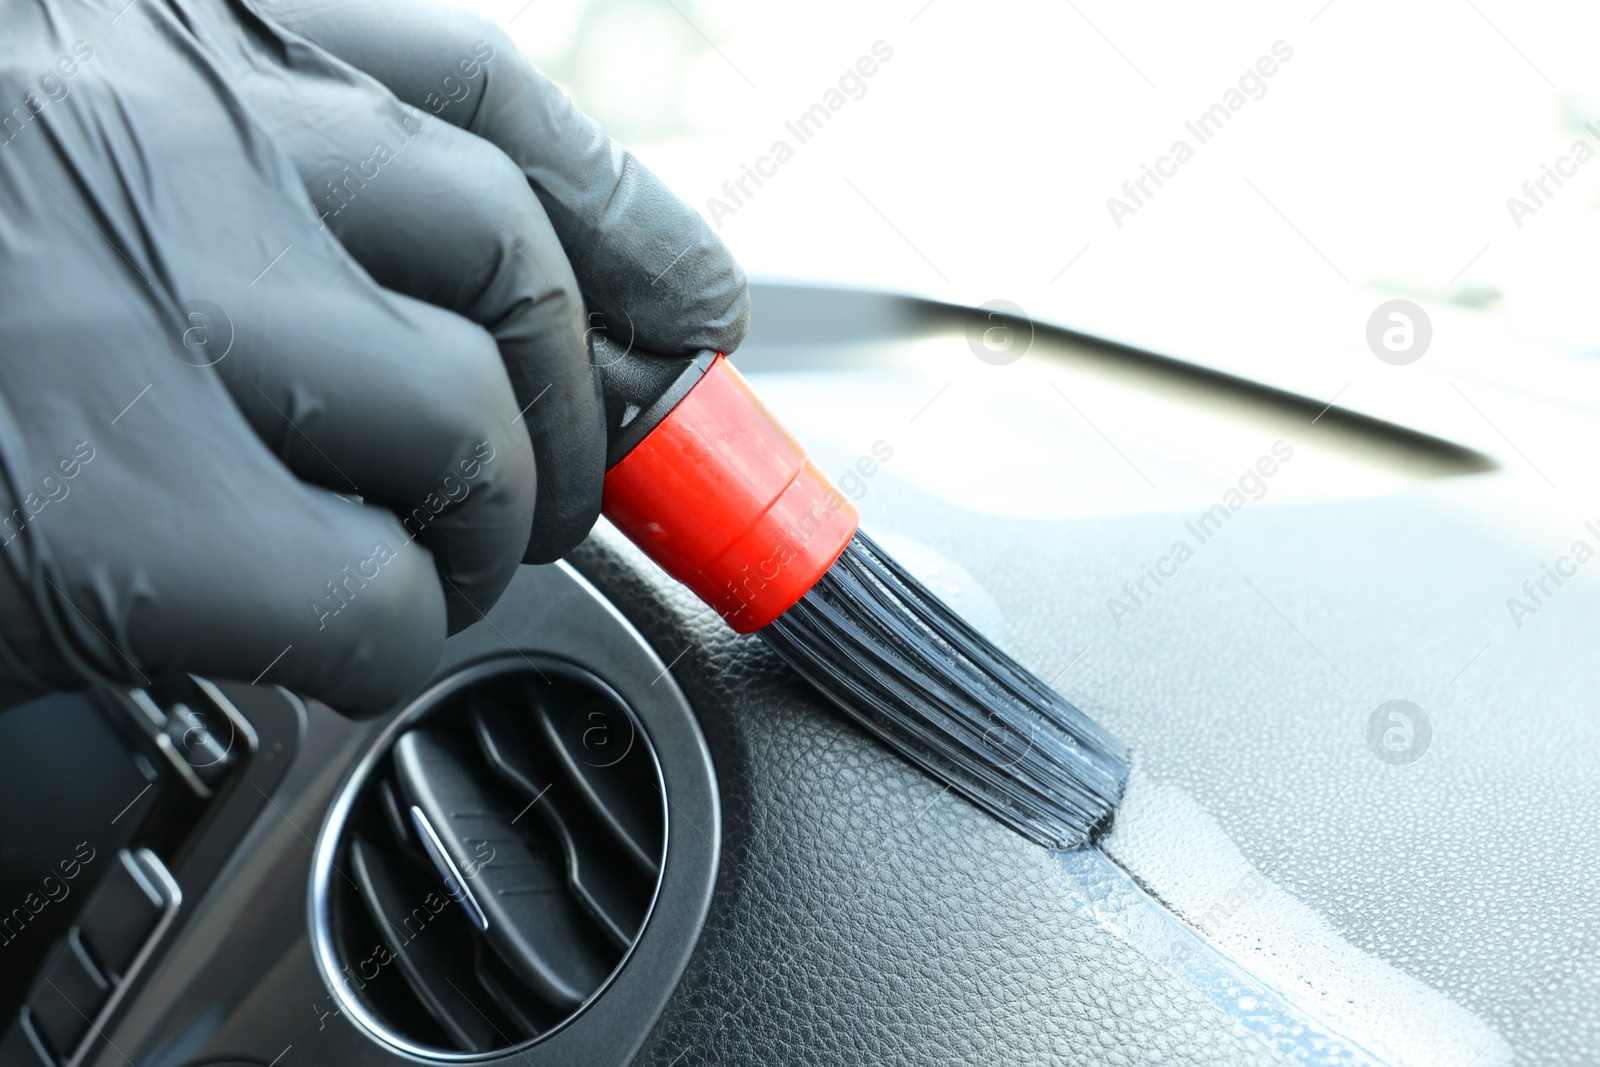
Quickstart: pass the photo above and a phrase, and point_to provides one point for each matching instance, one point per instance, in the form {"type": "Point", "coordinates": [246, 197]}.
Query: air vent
{"type": "Point", "coordinates": [500, 857]}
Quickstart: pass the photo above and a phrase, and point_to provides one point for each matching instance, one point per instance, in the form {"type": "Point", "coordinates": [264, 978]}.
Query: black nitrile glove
{"type": "Point", "coordinates": [228, 407]}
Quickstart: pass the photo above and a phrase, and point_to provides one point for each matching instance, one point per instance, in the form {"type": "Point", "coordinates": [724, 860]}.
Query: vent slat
{"type": "Point", "coordinates": [509, 993]}
{"type": "Point", "coordinates": [431, 965]}
{"type": "Point", "coordinates": [507, 869]}
{"type": "Point", "coordinates": [614, 904]}
{"type": "Point", "coordinates": [511, 870]}
{"type": "Point", "coordinates": [608, 785]}
{"type": "Point", "coordinates": [399, 829]}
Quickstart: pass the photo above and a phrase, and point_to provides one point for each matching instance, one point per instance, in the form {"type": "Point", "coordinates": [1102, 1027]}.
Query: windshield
{"type": "Point", "coordinates": [1243, 188]}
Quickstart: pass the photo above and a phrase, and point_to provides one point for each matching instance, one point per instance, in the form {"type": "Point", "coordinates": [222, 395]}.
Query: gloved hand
{"type": "Point", "coordinates": [260, 434]}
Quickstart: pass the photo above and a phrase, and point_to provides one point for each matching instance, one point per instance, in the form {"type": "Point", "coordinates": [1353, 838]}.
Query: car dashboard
{"type": "Point", "coordinates": [1359, 829]}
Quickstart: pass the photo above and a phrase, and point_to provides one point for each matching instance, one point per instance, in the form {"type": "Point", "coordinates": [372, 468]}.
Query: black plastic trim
{"type": "Point", "coordinates": [640, 391]}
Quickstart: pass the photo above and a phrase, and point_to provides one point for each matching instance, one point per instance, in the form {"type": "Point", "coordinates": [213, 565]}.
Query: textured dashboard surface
{"type": "Point", "coordinates": [1435, 903]}
{"type": "Point", "coordinates": [1440, 910]}
{"type": "Point", "coordinates": [865, 915]}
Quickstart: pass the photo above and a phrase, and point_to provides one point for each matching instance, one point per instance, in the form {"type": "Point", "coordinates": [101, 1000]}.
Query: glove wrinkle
{"type": "Point", "coordinates": [228, 407]}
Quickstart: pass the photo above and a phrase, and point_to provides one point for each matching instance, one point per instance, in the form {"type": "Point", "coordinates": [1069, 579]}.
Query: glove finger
{"type": "Point", "coordinates": [312, 591]}
{"type": "Point", "coordinates": [443, 216]}
{"type": "Point", "coordinates": [167, 537]}
{"type": "Point", "coordinates": [647, 262]}
{"type": "Point", "coordinates": [360, 389]}
{"type": "Point", "coordinates": [148, 528]}
{"type": "Point", "coordinates": [397, 402]}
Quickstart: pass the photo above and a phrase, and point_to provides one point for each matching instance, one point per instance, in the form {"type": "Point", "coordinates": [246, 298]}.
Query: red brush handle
{"type": "Point", "coordinates": [726, 501]}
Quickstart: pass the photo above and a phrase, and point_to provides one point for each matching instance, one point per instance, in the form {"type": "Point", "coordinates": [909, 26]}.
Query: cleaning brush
{"type": "Point", "coordinates": [711, 487]}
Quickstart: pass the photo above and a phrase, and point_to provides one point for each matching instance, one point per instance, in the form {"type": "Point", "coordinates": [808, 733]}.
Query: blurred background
{"type": "Point", "coordinates": [975, 163]}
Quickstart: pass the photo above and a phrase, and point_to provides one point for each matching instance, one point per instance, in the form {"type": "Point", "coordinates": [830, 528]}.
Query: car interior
{"type": "Point", "coordinates": [1359, 827]}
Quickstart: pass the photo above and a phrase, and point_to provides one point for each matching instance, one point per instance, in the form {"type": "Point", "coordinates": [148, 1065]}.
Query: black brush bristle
{"type": "Point", "coordinates": [895, 658]}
